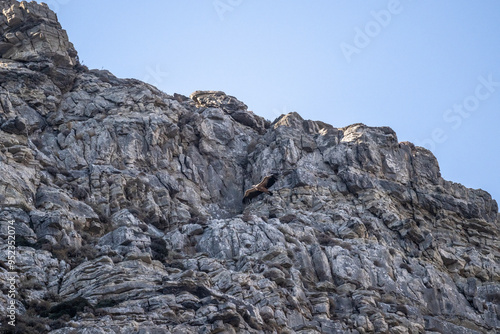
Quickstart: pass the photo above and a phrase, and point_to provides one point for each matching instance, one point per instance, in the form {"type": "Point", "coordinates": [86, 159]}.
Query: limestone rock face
{"type": "Point", "coordinates": [128, 214]}
{"type": "Point", "coordinates": [31, 33]}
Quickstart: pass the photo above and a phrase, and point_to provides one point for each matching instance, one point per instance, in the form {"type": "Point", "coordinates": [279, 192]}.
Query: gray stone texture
{"type": "Point", "coordinates": [131, 198]}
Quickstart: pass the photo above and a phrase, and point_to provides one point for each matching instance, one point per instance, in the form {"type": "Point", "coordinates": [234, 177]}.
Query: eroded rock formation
{"type": "Point", "coordinates": [128, 214]}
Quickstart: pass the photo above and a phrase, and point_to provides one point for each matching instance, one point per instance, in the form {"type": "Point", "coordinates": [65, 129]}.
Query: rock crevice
{"type": "Point", "coordinates": [127, 206]}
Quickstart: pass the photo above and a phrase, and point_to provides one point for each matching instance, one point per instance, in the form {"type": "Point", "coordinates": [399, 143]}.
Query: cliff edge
{"type": "Point", "coordinates": [126, 204]}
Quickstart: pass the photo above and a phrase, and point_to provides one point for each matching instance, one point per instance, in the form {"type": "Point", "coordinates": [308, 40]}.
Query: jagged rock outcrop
{"type": "Point", "coordinates": [31, 34]}
{"type": "Point", "coordinates": [128, 214]}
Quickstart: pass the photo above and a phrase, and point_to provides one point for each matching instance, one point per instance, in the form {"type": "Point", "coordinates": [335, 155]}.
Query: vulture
{"type": "Point", "coordinates": [260, 188]}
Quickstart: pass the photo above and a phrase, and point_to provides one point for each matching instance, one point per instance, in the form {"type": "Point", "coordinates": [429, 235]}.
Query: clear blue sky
{"type": "Point", "coordinates": [428, 69]}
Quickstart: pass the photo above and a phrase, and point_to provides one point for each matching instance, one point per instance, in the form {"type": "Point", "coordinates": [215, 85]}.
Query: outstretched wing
{"type": "Point", "coordinates": [268, 181]}
{"type": "Point", "coordinates": [249, 194]}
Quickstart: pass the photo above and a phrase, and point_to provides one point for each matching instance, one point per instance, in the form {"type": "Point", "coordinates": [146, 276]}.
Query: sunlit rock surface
{"type": "Point", "coordinates": [128, 214]}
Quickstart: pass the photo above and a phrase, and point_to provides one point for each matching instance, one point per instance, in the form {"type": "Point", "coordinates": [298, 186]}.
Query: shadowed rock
{"type": "Point", "coordinates": [362, 234]}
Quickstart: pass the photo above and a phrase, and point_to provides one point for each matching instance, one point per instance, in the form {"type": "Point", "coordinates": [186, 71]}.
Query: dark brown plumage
{"type": "Point", "coordinates": [260, 188]}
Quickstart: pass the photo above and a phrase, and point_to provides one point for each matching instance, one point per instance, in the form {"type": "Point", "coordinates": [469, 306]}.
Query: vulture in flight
{"type": "Point", "coordinates": [260, 188]}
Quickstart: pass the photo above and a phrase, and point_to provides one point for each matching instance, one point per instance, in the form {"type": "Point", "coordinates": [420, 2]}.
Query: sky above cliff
{"type": "Point", "coordinates": [429, 70]}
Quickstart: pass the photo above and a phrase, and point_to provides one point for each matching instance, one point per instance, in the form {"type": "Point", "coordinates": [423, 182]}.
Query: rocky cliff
{"type": "Point", "coordinates": [126, 204]}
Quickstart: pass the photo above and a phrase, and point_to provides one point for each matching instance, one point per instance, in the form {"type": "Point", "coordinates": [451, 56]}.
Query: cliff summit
{"type": "Point", "coordinates": [126, 204]}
